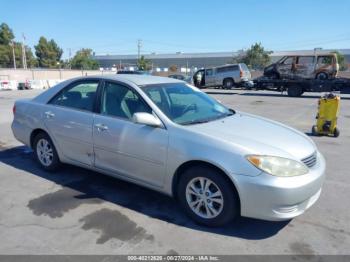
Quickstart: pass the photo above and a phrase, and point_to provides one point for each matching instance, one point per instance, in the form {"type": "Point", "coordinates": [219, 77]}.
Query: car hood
{"type": "Point", "coordinates": [257, 135]}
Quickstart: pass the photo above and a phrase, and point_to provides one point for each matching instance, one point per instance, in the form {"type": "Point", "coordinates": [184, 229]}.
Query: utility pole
{"type": "Point", "coordinates": [139, 45]}
{"type": "Point", "coordinates": [24, 57]}
{"type": "Point", "coordinates": [69, 57]}
{"type": "Point", "coordinates": [13, 54]}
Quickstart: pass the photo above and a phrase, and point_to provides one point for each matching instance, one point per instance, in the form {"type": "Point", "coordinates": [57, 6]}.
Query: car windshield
{"type": "Point", "coordinates": [184, 104]}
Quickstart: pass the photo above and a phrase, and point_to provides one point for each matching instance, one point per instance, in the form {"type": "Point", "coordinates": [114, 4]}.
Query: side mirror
{"type": "Point", "coordinates": [147, 119]}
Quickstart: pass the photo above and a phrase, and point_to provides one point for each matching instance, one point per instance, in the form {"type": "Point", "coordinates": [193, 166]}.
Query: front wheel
{"type": "Point", "coordinates": [322, 76]}
{"type": "Point", "coordinates": [45, 152]}
{"type": "Point", "coordinates": [336, 132]}
{"type": "Point", "coordinates": [207, 196]}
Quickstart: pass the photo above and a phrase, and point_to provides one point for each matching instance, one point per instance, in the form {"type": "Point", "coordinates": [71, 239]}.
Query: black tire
{"type": "Point", "coordinates": [54, 162]}
{"type": "Point", "coordinates": [336, 132]}
{"type": "Point", "coordinates": [228, 83]}
{"type": "Point", "coordinates": [231, 205]}
{"type": "Point", "coordinates": [322, 76]}
{"type": "Point", "coordinates": [295, 91]}
{"type": "Point", "coordinates": [314, 131]}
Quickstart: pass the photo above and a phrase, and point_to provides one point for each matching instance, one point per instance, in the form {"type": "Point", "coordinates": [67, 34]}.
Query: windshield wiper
{"type": "Point", "coordinates": [206, 120]}
{"type": "Point", "coordinates": [192, 122]}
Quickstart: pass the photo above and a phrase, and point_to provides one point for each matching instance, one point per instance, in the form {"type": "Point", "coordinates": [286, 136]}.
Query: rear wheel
{"type": "Point", "coordinates": [228, 83]}
{"type": "Point", "coordinates": [45, 152]}
{"type": "Point", "coordinates": [322, 76]}
{"type": "Point", "coordinates": [207, 197]}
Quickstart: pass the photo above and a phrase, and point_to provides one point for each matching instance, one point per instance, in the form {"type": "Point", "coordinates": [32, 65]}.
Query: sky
{"type": "Point", "coordinates": [164, 26]}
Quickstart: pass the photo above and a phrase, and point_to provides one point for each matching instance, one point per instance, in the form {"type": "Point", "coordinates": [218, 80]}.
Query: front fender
{"type": "Point", "coordinates": [185, 147]}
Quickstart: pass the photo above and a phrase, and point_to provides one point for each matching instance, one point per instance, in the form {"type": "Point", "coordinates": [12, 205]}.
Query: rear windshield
{"type": "Point", "coordinates": [244, 67]}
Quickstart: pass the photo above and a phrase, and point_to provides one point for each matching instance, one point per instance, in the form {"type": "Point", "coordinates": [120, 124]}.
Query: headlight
{"type": "Point", "coordinates": [278, 166]}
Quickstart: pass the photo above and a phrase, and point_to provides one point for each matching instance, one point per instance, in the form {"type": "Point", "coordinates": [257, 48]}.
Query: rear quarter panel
{"type": "Point", "coordinates": [28, 116]}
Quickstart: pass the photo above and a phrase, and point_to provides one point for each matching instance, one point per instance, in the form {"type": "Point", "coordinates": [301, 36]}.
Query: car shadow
{"type": "Point", "coordinates": [310, 134]}
{"type": "Point", "coordinates": [81, 186]}
{"type": "Point", "coordinates": [220, 93]}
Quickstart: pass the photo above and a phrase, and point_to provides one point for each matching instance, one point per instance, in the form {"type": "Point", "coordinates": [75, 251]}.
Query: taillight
{"type": "Point", "coordinates": [14, 109]}
{"type": "Point", "coordinates": [240, 73]}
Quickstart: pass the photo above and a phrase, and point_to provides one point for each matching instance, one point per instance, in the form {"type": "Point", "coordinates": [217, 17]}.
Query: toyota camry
{"type": "Point", "coordinates": [169, 136]}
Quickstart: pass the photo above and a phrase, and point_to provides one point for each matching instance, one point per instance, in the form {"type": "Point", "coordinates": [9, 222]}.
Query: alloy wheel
{"type": "Point", "coordinates": [204, 197]}
{"type": "Point", "coordinates": [44, 151]}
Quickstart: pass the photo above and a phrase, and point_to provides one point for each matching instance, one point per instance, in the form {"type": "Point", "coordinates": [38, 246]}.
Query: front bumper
{"type": "Point", "coordinates": [280, 198]}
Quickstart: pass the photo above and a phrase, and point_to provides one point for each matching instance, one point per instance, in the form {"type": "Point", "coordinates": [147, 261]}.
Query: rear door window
{"type": "Point", "coordinates": [209, 72]}
{"type": "Point", "coordinates": [80, 96]}
{"type": "Point", "coordinates": [305, 60]}
{"type": "Point", "coordinates": [221, 69]}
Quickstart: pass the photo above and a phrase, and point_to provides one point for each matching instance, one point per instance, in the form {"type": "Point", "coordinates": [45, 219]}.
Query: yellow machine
{"type": "Point", "coordinates": [328, 109]}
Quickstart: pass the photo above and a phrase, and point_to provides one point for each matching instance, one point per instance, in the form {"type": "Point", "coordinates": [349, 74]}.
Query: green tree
{"type": "Point", "coordinates": [6, 56]}
{"type": "Point", "coordinates": [341, 61]}
{"type": "Point", "coordinates": [83, 60]}
{"type": "Point", "coordinates": [6, 37]}
{"type": "Point", "coordinates": [31, 59]}
{"type": "Point", "coordinates": [256, 57]}
{"type": "Point", "coordinates": [143, 63]}
{"type": "Point", "coordinates": [48, 53]}
{"type": "Point", "coordinates": [6, 34]}
{"type": "Point", "coordinates": [7, 43]}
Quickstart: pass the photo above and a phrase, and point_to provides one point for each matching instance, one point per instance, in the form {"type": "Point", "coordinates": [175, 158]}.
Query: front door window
{"type": "Point", "coordinates": [120, 101]}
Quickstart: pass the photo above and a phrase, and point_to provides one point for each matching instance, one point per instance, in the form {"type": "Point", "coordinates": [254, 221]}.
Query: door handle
{"type": "Point", "coordinates": [101, 127]}
{"type": "Point", "coordinates": [49, 114]}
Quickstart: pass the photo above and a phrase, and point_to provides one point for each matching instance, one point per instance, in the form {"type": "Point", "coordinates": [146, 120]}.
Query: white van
{"type": "Point", "coordinates": [227, 76]}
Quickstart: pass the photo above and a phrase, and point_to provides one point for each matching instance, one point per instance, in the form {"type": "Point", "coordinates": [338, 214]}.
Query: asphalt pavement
{"type": "Point", "coordinates": [76, 211]}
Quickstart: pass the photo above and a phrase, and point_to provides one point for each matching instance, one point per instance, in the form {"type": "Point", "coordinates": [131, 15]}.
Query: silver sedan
{"type": "Point", "coordinates": [169, 136]}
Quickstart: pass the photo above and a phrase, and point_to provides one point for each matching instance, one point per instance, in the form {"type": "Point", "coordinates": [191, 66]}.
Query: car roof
{"type": "Point", "coordinates": [310, 54]}
{"type": "Point", "coordinates": [139, 80]}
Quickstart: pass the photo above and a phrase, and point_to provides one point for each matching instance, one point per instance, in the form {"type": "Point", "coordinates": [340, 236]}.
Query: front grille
{"type": "Point", "coordinates": [310, 161]}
